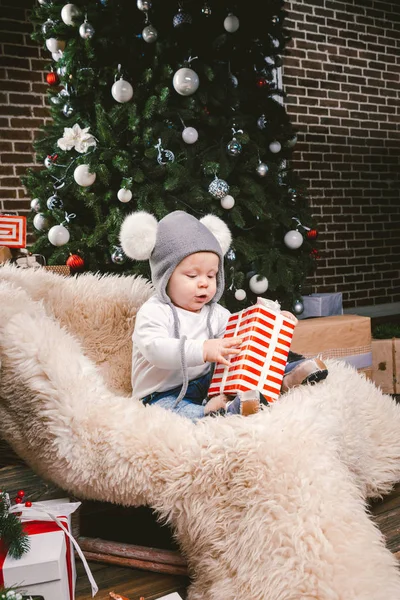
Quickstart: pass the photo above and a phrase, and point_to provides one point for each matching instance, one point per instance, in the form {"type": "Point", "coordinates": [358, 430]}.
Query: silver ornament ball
{"type": "Point", "coordinates": [122, 91]}
{"type": "Point", "coordinates": [231, 255]}
{"type": "Point", "coordinates": [275, 147]}
{"type": "Point", "coordinates": [54, 202]}
{"type": "Point", "coordinates": [47, 26]}
{"type": "Point", "coordinates": [231, 23]}
{"type": "Point", "coordinates": [150, 34]}
{"type": "Point", "coordinates": [234, 148]}
{"type": "Point", "coordinates": [48, 163]}
{"type": "Point", "coordinates": [261, 122]}
{"type": "Point", "coordinates": [262, 169]}
{"type": "Point", "coordinates": [86, 30]}
{"type": "Point", "coordinates": [144, 5]}
{"type": "Point", "coordinates": [35, 205]}
{"type": "Point", "coordinates": [293, 239]}
{"type": "Point", "coordinates": [190, 135]}
{"type": "Point", "coordinates": [218, 188]}
{"type": "Point", "coordinates": [298, 307]}
{"type": "Point", "coordinates": [68, 110]}
{"type": "Point", "coordinates": [118, 257]}
{"type": "Point", "coordinates": [40, 222]}
{"type": "Point", "coordinates": [240, 295]}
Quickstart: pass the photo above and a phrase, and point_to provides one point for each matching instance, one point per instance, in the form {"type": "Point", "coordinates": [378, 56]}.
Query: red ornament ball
{"type": "Point", "coordinates": [20, 493]}
{"type": "Point", "coordinates": [18, 500]}
{"type": "Point", "coordinates": [28, 504]}
{"type": "Point", "coordinates": [52, 78]}
{"type": "Point", "coordinates": [261, 82]}
{"type": "Point", "coordinates": [312, 234]}
{"type": "Point", "coordinates": [75, 262]}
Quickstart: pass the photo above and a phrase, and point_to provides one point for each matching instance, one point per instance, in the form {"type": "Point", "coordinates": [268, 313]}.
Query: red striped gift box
{"type": "Point", "coordinates": [12, 231]}
{"type": "Point", "coordinates": [266, 336]}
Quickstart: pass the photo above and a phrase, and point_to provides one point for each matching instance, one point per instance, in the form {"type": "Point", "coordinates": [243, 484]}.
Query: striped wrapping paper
{"type": "Point", "coordinates": [266, 336]}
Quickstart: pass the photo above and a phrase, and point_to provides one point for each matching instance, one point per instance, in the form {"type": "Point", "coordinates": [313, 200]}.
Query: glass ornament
{"type": "Point", "coordinates": [293, 239]}
{"type": "Point", "coordinates": [218, 188]}
{"type": "Point", "coordinates": [58, 235]}
{"type": "Point", "coordinates": [122, 91]}
{"type": "Point", "coordinates": [186, 81]}
{"type": "Point", "coordinates": [258, 285]}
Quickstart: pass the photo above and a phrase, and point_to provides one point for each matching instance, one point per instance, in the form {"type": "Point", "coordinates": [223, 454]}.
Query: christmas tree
{"type": "Point", "coordinates": [160, 105]}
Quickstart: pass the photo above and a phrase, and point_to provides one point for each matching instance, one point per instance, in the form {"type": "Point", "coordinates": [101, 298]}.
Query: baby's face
{"type": "Point", "coordinates": [194, 281]}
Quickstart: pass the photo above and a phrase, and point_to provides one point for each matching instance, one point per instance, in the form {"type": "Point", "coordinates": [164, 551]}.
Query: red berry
{"type": "Point", "coordinates": [21, 493]}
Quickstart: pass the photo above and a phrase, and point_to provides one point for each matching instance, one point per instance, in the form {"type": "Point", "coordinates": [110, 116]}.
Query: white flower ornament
{"type": "Point", "coordinates": [75, 137]}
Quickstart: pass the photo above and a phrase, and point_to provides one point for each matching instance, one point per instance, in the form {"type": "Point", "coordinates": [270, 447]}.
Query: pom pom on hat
{"type": "Point", "coordinates": [138, 235]}
{"type": "Point", "coordinates": [220, 231]}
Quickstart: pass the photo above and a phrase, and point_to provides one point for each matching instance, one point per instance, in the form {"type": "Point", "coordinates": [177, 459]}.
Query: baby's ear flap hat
{"type": "Point", "coordinates": [168, 242]}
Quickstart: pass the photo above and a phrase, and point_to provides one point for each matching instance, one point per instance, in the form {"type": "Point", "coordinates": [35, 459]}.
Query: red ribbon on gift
{"type": "Point", "coordinates": [34, 528]}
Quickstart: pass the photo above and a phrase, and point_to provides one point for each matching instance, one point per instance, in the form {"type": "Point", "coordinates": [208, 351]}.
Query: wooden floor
{"type": "Point", "coordinates": [135, 584]}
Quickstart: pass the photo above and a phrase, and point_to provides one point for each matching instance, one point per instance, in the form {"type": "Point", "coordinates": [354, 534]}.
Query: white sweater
{"type": "Point", "coordinates": [156, 363]}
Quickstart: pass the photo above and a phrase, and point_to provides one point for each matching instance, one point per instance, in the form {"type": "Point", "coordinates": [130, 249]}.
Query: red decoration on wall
{"type": "Point", "coordinates": [52, 78]}
{"type": "Point", "coordinates": [312, 234]}
{"type": "Point", "coordinates": [75, 262]}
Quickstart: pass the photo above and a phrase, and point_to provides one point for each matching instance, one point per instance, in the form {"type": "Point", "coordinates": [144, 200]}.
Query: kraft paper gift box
{"type": "Point", "coordinates": [48, 568]}
{"type": "Point", "coordinates": [322, 305]}
{"type": "Point", "coordinates": [344, 337]}
{"type": "Point", "coordinates": [386, 365]}
{"type": "Point", "coordinates": [266, 336]}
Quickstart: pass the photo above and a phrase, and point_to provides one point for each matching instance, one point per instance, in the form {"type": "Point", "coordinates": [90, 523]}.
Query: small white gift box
{"type": "Point", "coordinates": [174, 596]}
{"type": "Point", "coordinates": [322, 305]}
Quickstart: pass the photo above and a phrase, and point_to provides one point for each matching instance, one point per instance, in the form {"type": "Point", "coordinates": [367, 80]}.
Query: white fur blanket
{"type": "Point", "coordinates": [269, 507]}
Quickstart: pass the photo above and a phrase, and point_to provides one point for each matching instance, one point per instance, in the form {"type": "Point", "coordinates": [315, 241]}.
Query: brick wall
{"type": "Point", "coordinates": [342, 81]}
{"type": "Point", "coordinates": [22, 100]}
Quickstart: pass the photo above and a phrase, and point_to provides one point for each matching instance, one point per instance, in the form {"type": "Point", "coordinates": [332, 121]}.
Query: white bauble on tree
{"type": "Point", "coordinates": [58, 235]}
{"type": "Point", "coordinates": [150, 34]}
{"type": "Point", "coordinates": [293, 239]}
{"type": "Point", "coordinates": [190, 135]}
{"type": "Point", "coordinates": [35, 205]}
{"type": "Point", "coordinates": [122, 91]}
{"type": "Point", "coordinates": [258, 285]}
{"type": "Point", "coordinates": [124, 195]}
{"type": "Point", "coordinates": [231, 23]}
{"type": "Point", "coordinates": [83, 176]}
{"type": "Point", "coordinates": [228, 202]}
{"type": "Point", "coordinates": [69, 12]}
{"type": "Point", "coordinates": [186, 81]}
{"type": "Point", "coordinates": [56, 55]}
{"type": "Point", "coordinates": [40, 222]}
{"type": "Point", "coordinates": [275, 147]}
{"type": "Point", "coordinates": [55, 45]}
{"type": "Point", "coordinates": [240, 295]}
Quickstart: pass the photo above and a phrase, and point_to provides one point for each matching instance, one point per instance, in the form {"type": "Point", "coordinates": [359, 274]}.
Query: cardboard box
{"type": "Point", "coordinates": [322, 305]}
{"type": "Point", "coordinates": [386, 365]}
{"type": "Point", "coordinates": [344, 337]}
{"type": "Point", "coordinates": [260, 365]}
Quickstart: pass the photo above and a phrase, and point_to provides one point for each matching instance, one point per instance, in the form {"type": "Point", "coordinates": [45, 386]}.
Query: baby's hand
{"type": "Point", "coordinates": [289, 316]}
{"type": "Point", "coordinates": [215, 350]}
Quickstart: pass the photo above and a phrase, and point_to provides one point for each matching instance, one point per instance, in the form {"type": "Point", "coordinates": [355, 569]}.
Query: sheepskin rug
{"type": "Point", "coordinates": [269, 507]}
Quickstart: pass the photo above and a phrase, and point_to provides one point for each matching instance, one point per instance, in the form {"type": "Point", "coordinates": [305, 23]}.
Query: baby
{"type": "Point", "coordinates": [179, 331]}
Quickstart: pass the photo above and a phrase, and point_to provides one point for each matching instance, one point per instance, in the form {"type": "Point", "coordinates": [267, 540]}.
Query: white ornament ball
{"type": "Point", "coordinates": [40, 222]}
{"type": "Point", "coordinates": [35, 205]}
{"type": "Point", "coordinates": [275, 147]}
{"type": "Point", "coordinates": [293, 239]}
{"type": "Point", "coordinates": [124, 195]}
{"type": "Point", "coordinates": [56, 55]}
{"type": "Point", "coordinates": [258, 286]}
{"type": "Point", "coordinates": [58, 235]}
{"type": "Point", "coordinates": [86, 31]}
{"type": "Point", "coordinates": [186, 81]}
{"type": "Point", "coordinates": [240, 295]}
{"type": "Point", "coordinates": [298, 307]}
{"type": "Point", "coordinates": [83, 176]}
{"type": "Point", "coordinates": [190, 135]}
{"type": "Point", "coordinates": [228, 202]}
{"type": "Point", "coordinates": [122, 91]}
{"type": "Point", "coordinates": [231, 23]}
{"type": "Point", "coordinates": [55, 45]}
{"type": "Point", "coordinates": [69, 12]}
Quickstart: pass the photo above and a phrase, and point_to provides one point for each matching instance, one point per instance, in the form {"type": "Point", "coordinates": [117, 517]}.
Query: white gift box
{"type": "Point", "coordinates": [48, 568]}
{"type": "Point", "coordinates": [41, 571]}
{"type": "Point", "coordinates": [322, 305]}
{"type": "Point", "coordinates": [174, 596]}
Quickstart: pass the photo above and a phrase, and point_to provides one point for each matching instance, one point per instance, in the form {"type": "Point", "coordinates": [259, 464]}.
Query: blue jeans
{"type": "Point", "coordinates": [192, 405]}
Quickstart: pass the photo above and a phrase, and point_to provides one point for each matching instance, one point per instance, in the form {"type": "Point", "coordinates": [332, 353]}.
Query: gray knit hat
{"type": "Point", "coordinates": [168, 242]}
